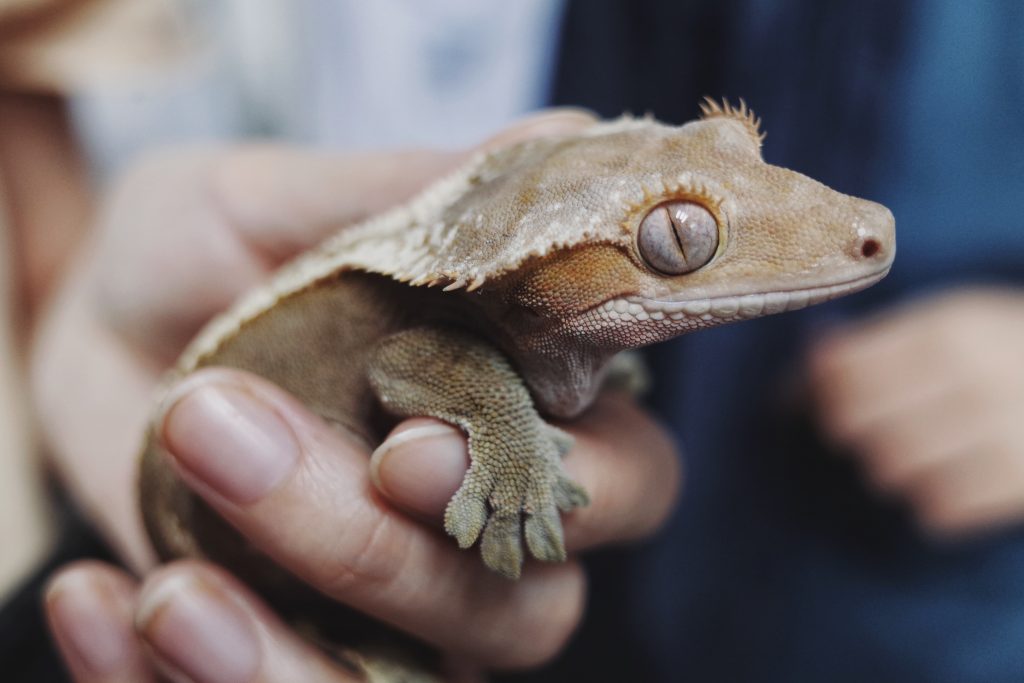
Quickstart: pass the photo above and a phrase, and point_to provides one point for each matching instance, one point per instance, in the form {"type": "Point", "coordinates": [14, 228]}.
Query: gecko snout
{"type": "Point", "coordinates": [874, 233]}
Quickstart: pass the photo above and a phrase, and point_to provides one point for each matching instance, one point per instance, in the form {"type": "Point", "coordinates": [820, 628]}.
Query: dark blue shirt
{"type": "Point", "coordinates": [781, 564]}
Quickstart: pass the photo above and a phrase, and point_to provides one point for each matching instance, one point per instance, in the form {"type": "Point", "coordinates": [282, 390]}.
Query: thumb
{"type": "Point", "coordinates": [299, 489]}
{"type": "Point", "coordinates": [420, 466]}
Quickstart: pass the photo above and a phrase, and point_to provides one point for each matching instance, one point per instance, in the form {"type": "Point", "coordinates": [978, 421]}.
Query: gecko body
{"type": "Point", "coordinates": [501, 295]}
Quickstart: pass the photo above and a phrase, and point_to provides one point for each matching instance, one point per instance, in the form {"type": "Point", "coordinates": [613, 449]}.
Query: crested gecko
{"type": "Point", "coordinates": [502, 294]}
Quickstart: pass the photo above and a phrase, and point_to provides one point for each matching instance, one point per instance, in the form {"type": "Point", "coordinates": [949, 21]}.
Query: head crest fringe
{"type": "Point", "coordinates": [710, 109]}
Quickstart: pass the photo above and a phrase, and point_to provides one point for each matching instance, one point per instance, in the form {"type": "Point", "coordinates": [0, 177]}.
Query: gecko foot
{"type": "Point", "coordinates": [515, 486]}
{"type": "Point", "coordinates": [500, 506]}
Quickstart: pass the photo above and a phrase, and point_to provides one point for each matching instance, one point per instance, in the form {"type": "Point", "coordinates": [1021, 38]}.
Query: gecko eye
{"type": "Point", "coordinates": [678, 237]}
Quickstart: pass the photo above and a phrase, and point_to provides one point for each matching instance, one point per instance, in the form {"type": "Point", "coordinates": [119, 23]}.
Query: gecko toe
{"type": "Point", "coordinates": [502, 546]}
{"type": "Point", "coordinates": [544, 535]}
{"type": "Point", "coordinates": [562, 440]}
{"type": "Point", "coordinates": [569, 495]}
{"type": "Point", "coordinates": [466, 515]}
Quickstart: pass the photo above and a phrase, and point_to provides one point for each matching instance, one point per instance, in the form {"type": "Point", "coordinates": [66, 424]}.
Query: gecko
{"type": "Point", "coordinates": [501, 297]}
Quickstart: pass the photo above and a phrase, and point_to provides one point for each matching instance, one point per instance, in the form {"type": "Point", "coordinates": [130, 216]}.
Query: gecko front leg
{"type": "Point", "coordinates": [515, 482]}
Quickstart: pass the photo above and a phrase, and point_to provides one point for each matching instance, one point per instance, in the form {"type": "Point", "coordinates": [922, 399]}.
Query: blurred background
{"type": "Point", "coordinates": [786, 561]}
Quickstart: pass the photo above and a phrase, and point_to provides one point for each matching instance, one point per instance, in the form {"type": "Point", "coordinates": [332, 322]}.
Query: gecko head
{"type": "Point", "coordinates": [699, 231]}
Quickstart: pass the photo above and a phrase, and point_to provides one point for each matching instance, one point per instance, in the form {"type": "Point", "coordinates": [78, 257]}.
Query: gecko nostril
{"type": "Point", "coordinates": [870, 247]}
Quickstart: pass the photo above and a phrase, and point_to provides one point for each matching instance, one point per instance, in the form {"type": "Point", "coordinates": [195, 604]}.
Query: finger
{"type": "Point", "coordinates": [240, 212]}
{"type": "Point", "coordinates": [914, 438]}
{"type": "Point", "coordinates": [74, 344]}
{"type": "Point", "coordinates": [631, 469]}
{"type": "Point", "coordinates": [859, 376]}
{"type": "Point", "coordinates": [621, 457]}
{"type": "Point", "coordinates": [880, 394]}
{"type": "Point", "coordinates": [546, 123]}
{"type": "Point", "coordinates": [978, 489]}
{"type": "Point", "coordinates": [944, 347]}
{"type": "Point", "coordinates": [89, 607]}
{"type": "Point", "coordinates": [202, 623]}
{"type": "Point", "coordinates": [283, 200]}
{"type": "Point", "coordinates": [300, 491]}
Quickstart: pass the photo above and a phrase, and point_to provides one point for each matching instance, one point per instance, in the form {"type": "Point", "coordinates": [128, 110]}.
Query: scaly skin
{"type": "Point", "coordinates": [516, 468]}
{"type": "Point", "coordinates": [554, 256]}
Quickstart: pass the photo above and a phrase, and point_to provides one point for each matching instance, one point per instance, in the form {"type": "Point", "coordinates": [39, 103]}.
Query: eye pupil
{"type": "Point", "coordinates": [678, 237]}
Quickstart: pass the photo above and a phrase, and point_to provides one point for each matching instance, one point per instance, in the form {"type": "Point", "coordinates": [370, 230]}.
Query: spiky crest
{"type": "Point", "coordinates": [710, 108]}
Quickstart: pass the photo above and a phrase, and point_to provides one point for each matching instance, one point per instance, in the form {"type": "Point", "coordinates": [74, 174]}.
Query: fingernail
{"type": "Point", "coordinates": [559, 120]}
{"type": "Point", "coordinates": [84, 615]}
{"type": "Point", "coordinates": [562, 121]}
{"type": "Point", "coordinates": [420, 466]}
{"type": "Point", "coordinates": [231, 440]}
{"type": "Point", "coordinates": [198, 630]}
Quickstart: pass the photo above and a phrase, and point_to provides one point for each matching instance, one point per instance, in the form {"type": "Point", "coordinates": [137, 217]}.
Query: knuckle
{"type": "Point", "coordinates": [368, 557]}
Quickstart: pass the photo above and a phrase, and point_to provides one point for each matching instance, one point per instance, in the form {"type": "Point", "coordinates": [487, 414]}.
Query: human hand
{"type": "Point", "coordinates": [930, 398]}
{"type": "Point", "coordinates": [189, 621]}
{"type": "Point", "coordinates": [325, 523]}
{"type": "Point", "coordinates": [179, 241]}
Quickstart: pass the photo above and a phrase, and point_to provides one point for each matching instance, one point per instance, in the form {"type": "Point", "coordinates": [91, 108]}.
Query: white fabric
{"type": "Point", "coordinates": [348, 74]}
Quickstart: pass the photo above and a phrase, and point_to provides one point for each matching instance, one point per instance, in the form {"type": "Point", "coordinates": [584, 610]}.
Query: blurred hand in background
{"type": "Point", "coordinates": [930, 397]}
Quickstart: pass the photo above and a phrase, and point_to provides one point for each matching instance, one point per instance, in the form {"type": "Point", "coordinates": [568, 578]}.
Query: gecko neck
{"type": "Point", "coordinates": [563, 378]}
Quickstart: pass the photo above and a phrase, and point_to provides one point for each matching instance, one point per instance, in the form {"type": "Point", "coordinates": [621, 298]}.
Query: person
{"type": "Point", "coordinates": [92, 334]}
{"type": "Point", "coordinates": [38, 233]}
{"type": "Point", "coordinates": [46, 48]}
{"type": "Point", "coordinates": [37, 152]}
{"type": "Point", "coordinates": [854, 496]}
{"type": "Point", "coordinates": [120, 318]}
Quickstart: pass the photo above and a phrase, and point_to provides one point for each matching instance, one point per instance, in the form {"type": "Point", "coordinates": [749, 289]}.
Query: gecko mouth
{"type": "Point", "coordinates": [730, 307]}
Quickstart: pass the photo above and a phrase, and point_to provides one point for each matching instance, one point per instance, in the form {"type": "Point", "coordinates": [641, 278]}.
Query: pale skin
{"type": "Point", "coordinates": [851, 385]}
{"type": "Point", "coordinates": [184, 235]}
{"type": "Point", "coordinates": [929, 397]}
{"type": "Point", "coordinates": [38, 234]}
